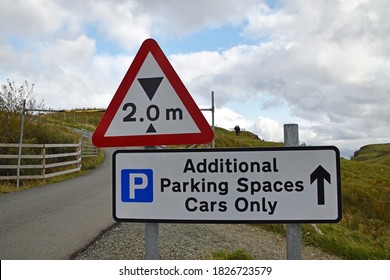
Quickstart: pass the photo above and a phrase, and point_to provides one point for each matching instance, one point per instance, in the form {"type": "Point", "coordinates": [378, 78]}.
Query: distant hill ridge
{"type": "Point", "coordinates": [373, 154]}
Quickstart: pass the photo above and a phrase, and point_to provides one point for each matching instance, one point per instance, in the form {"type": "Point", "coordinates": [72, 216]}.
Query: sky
{"type": "Point", "coordinates": [322, 64]}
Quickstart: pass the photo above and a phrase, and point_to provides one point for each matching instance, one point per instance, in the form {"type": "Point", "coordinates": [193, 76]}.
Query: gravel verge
{"type": "Point", "coordinates": [125, 241]}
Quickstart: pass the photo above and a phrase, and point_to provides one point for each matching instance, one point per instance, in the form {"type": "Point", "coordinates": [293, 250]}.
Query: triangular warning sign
{"type": "Point", "coordinates": [151, 107]}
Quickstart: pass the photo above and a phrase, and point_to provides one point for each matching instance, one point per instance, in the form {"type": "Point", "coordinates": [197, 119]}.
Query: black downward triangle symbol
{"type": "Point", "coordinates": [150, 85]}
{"type": "Point", "coordinates": [151, 129]}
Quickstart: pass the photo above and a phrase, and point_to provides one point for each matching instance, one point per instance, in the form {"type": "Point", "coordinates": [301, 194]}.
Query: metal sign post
{"type": "Point", "coordinates": [293, 231]}
{"type": "Point", "coordinates": [212, 109]}
{"type": "Point", "coordinates": [152, 238]}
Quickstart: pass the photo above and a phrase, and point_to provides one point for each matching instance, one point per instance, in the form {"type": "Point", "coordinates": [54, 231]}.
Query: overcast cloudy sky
{"type": "Point", "coordinates": [323, 64]}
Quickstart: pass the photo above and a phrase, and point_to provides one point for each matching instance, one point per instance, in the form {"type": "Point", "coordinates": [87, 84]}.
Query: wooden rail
{"type": "Point", "coordinates": [40, 160]}
{"type": "Point", "coordinates": [87, 148]}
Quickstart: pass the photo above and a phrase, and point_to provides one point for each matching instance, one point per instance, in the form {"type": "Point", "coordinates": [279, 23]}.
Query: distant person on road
{"type": "Point", "coordinates": [237, 130]}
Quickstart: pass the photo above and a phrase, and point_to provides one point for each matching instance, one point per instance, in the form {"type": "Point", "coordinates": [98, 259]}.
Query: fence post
{"type": "Point", "coordinates": [80, 151]}
{"type": "Point", "coordinates": [43, 162]}
{"type": "Point", "coordinates": [293, 231]}
{"type": "Point", "coordinates": [20, 144]}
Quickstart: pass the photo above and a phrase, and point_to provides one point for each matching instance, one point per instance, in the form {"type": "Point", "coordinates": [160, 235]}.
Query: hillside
{"type": "Point", "coordinates": [86, 119]}
{"type": "Point", "coordinates": [374, 154]}
{"type": "Point", "coordinates": [228, 139]}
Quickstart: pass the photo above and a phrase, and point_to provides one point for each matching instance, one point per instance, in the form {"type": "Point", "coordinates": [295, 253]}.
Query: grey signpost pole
{"type": "Point", "coordinates": [293, 231]}
{"type": "Point", "coordinates": [152, 241]}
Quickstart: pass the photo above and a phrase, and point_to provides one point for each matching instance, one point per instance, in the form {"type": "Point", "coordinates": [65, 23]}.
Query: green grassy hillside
{"type": "Point", "coordinates": [227, 139]}
{"type": "Point", "coordinates": [374, 154]}
{"type": "Point", "coordinates": [364, 232]}
{"type": "Point", "coordinates": [86, 119]}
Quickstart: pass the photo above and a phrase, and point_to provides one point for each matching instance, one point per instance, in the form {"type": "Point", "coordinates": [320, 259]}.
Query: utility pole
{"type": "Point", "coordinates": [212, 109]}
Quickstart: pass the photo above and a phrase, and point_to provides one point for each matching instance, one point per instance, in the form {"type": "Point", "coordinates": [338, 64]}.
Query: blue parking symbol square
{"type": "Point", "coordinates": [137, 185]}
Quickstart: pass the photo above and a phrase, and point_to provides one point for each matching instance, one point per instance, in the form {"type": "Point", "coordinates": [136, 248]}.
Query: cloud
{"type": "Point", "coordinates": [79, 76]}
{"type": "Point", "coordinates": [268, 129]}
{"type": "Point", "coordinates": [328, 61]}
{"type": "Point", "coordinates": [181, 18]}
{"type": "Point", "coordinates": [121, 22]}
{"type": "Point", "coordinates": [265, 128]}
{"type": "Point", "coordinates": [31, 18]}
{"type": "Point", "coordinates": [227, 118]}
{"type": "Point", "coordinates": [264, 21]}
{"type": "Point", "coordinates": [69, 73]}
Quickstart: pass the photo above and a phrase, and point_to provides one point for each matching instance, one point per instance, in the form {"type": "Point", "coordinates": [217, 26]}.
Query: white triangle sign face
{"type": "Point", "coordinates": [151, 107]}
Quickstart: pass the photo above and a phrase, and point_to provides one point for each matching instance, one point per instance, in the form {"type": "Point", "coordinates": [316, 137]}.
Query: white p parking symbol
{"type": "Point", "coordinates": [137, 181]}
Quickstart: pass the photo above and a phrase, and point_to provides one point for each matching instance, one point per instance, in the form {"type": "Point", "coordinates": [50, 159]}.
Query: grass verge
{"type": "Point", "coordinates": [239, 254]}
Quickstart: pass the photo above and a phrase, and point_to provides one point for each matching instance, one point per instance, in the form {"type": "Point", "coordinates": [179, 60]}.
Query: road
{"type": "Point", "coordinates": [55, 221]}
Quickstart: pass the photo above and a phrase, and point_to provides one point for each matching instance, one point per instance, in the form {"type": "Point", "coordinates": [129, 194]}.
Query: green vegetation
{"type": "Point", "coordinates": [239, 254]}
{"type": "Point", "coordinates": [225, 138]}
{"type": "Point", "coordinates": [87, 119]}
{"type": "Point", "coordinates": [374, 154]}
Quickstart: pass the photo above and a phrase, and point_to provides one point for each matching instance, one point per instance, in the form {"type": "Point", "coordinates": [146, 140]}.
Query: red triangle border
{"type": "Point", "coordinates": [206, 134]}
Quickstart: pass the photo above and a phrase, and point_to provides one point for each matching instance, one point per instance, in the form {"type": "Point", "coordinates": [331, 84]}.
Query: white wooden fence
{"type": "Point", "coordinates": [44, 164]}
{"type": "Point", "coordinates": [87, 148]}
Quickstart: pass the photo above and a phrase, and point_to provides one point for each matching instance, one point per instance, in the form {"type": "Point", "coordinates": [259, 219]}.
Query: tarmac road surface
{"type": "Point", "coordinates": [55, 221]}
